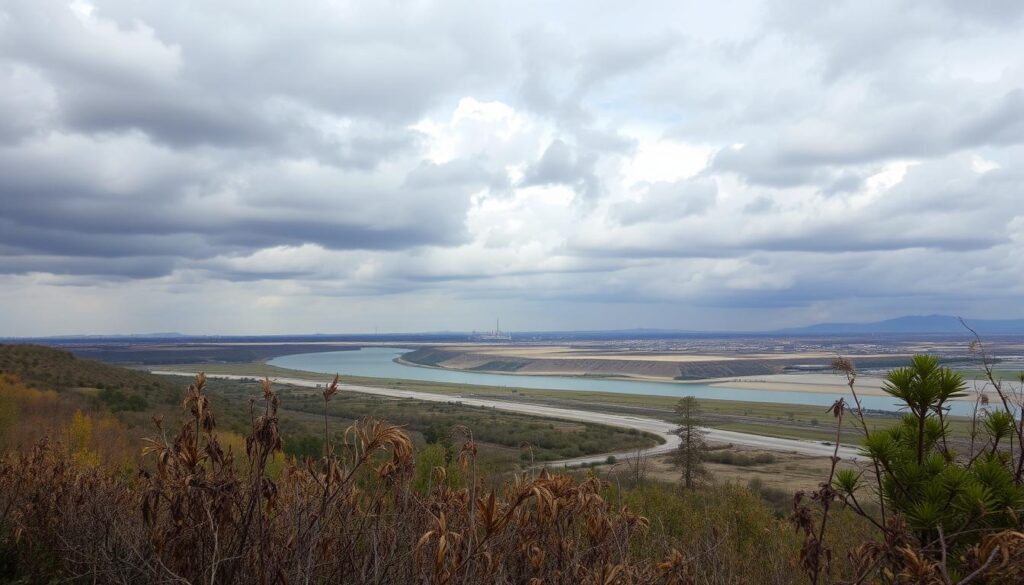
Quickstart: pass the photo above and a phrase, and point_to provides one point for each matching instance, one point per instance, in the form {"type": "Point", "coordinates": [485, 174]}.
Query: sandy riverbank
{"type": "Point", "coordinates": [822, 383]}
{"type": "Point", "coordinates": [656, 366]}
{"type": "Point", "coordinates": [818, 383]}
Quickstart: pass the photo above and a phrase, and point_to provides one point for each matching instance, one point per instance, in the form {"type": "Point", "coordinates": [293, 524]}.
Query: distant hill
{"type": "Point", "coordinates": [922, 324]}
{"type": "Point", "coordinates": [55, 369]}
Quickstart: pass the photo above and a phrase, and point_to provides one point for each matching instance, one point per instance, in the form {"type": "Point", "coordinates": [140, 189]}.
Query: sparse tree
{"type": "Point", "coordinates": [639, 465]}
{"type": "Point", "coordinates": [690, 455]}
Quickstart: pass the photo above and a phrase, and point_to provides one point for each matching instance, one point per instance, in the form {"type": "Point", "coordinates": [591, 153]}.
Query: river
{"type": "Point", "coordinates": [379, 362]}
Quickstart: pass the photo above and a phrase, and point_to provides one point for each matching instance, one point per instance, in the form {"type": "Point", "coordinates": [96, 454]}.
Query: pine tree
{"type": "Point", "coordinates": [690, 455]}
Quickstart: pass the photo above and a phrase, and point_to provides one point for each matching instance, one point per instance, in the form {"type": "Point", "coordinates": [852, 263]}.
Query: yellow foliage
{"type": "Point", "coordinates": [8, 416]}
{"type": "Point", "coordinates": [12, 388]}
{"type": "Point", "coordinates": [80, 431]}
{"type": "Point", "coordinates": [28, 414]}
{"type": "Point", "coordinates": [86, 458]}
{"type": "Point", "coordinates": [25, 412]}
{"type": "Point", "coordinates": [236, 443]}
{"type": "Point", "coordinates": [80, 440]}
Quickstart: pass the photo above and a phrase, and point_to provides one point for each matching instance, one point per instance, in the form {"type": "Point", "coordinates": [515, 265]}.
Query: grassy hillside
{"type": "Point", "coordinates": [60, 370]}
{"type": "Point", "coordinates": [181, 353]}
{"type": "Point", "coordinates": [135, 396]}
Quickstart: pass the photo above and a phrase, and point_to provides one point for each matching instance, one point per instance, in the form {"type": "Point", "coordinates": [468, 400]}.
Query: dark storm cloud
{"type": "Point", "coordinates": [199, 75]}
{"type": "Point", "coordinates": [336, 235]}
{"type": "Point", "coordinates": [181, 119]}
{"type": "Point", "coordinates": [176, 120]}
{"type": "Point", "coordinates": [110, 230]}
{"type": "Point", "coordinates": [165, 204]}
{"type": "Point", "coordinates": [136, 132]}
{"type": "Point", "coordinates": [67, 240]}
{"type": "Point", "coordinates": [97, 270]}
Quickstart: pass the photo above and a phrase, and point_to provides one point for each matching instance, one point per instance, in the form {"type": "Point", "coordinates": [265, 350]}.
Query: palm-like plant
{"type": "Point", "coordinates": [942, 497]}
{"type": "Point", "coordinates": [925, 388]}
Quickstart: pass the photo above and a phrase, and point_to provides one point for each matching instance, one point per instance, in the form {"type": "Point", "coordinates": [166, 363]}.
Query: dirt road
{"type": "Point", "coordinates": [665, 430]}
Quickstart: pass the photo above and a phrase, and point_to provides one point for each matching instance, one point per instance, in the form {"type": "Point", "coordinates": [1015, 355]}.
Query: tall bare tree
{"type": "Point", "coordinates": [639, 465]}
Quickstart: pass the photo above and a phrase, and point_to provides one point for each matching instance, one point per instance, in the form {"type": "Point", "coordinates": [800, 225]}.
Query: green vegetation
{"type": "Point", "coordinates": [504, 437]}
{"type": "Point", "coordinates": [955, 512]}
{"type": "Point", "coordinates": [216, 499]}
{"type": "Point", "coordinates": [134, 396]}
{"type": "Point", "coordinates": [771, 419]}
{"type": "Point", "coordinates": [60, 370]}
{"type": "Point", "coordinates": [192, 353]}
{"type": "Point", "coordinates": [117, 401]}
{"type": "Point", "coordinates": [371, 510]}
{"type": "Point", "coordinates": [548, 439]}
{"type": "Point", "coordinates": [998, 374]}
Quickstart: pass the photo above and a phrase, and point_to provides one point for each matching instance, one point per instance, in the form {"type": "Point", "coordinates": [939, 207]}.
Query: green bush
{"type": "Point", "coordinates": [303, 446]}
{"type": "Point", "coordinates": [939, 511]}
{"type": "Point", "coordinates": [118, 401]}
{"type": "Point", "coordinates": [923, 478]}
{"type": "Point", "coordinates": [738, 459]}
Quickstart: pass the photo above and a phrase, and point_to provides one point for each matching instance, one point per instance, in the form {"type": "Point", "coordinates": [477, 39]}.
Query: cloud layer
{"type": "Point", "coordinates": [345, 166]}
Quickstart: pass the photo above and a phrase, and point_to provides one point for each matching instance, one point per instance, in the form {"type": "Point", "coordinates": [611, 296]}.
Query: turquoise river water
{"type": "Point", "coordinates": [379, 362]}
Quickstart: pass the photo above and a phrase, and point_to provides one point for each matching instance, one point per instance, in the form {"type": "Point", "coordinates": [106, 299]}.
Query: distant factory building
{"type": "Point", "coordinates": [496, 335]}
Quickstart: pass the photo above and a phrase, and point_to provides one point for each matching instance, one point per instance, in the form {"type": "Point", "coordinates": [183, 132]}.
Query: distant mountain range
{"type": "Point", "coordinates": [939, 324]}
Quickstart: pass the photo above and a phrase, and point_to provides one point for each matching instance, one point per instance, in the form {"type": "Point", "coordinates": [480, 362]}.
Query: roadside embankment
{"type": "Point", "coordinates": [661, 428]}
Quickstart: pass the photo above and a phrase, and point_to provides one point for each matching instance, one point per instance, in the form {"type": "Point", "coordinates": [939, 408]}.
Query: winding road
{"type": "Point", "coordinates": [664, 429]}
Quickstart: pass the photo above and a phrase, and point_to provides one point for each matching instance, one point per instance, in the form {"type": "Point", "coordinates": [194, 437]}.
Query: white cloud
{"type": "Point", "coordinates": [336, 167]}
{"type": "Point", "coordinates": [665, 160]}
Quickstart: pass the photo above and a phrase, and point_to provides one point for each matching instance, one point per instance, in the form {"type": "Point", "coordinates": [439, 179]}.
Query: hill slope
{"type": "Point", "coordinates": [55, 369]}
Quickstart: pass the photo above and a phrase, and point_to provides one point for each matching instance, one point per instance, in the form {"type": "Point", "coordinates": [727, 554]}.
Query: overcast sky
{"type": "Point", "coordinates": [286, 167]}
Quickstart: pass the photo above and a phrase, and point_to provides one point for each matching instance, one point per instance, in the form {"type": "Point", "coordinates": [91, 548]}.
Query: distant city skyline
{"type": "Point", "coordinates": [581, 165]}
